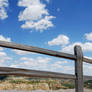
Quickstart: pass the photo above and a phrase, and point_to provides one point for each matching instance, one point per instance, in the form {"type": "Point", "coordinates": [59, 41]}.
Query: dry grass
{"type": "Point", "coordinates": [27, 84]}
{"type": "Point", "coordinates": [23, 86]}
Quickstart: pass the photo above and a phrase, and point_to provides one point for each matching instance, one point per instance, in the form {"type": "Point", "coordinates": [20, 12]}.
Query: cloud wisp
{"type": "Point", "coordinates": [3, 11]}
{"type": "Point", "coordinates": [43, 64]}
{"type": "Point", "coordinates": [20, 52]}
{"type": "Point", "coordinates": [88, 36]}
{"type": "Point", "coordinates": [4, 58]}
{"type": "Point", "coordinates": [60, 40]}
{"type": "Point", "coordinates": [67, 46]}
{"type": "Point", "coordinates": [2, 38]}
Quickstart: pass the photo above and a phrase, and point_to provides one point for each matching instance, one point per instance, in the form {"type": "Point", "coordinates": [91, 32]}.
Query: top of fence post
{"type": "Point", "coordinates": [78, 69]}
{"type": "Point", "coordinates": [78, 51]}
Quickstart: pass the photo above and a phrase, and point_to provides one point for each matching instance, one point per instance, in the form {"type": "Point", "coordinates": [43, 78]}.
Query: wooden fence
{"type": "Point", "coordinates": [77, 57]}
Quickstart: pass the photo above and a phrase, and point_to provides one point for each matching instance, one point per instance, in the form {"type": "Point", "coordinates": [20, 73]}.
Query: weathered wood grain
{"type": "Point", "coordinates": [41, 51]}
{"type": "Point", "coordinates": [87, 77]}
{"type": "Point", "coordinates": [37, 73]}
{"type": "Point", "coordinates": [34, 73]}
{"type": "Point", "coordinates": [87, 60]}
{"type": "Point", "coordinates": [78, 69]}
{"type": "Point", "coordinates": [36, 50]}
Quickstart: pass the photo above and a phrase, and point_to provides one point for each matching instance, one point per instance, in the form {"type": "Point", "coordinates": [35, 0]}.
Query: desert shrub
{"type": "Point", "coordinates": [17, 81]}
{"type": "Point", "coordinates": [88, 84]}
{"type": "Point", "coordinates": [68, 86]}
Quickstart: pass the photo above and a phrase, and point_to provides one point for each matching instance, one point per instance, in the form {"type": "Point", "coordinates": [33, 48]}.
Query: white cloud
{"type": "Point", "coordinates": [87, 68]}
{"type": "Point", "coordinates": [86, 47]}
{"type": "Point", "coordinates": [4, 58]}
{"type": "Point", "coordinates": [14, 66]}
{"type": "Point", "coordinates": [63, 41]}
{"type": "Point", "coordinates": [60, 40]}
{"type": "Point", "coordinates": [60, 67]}
{"type": "Point", "coordinates": [39, 63]}
{"type": "Point", "coordinates": [26, 3]}
{"type": "Point", "coordinates": [35, 61]}
{"type": "Point", "coordinates": [34, 11]}
{"type": "Point", "coordinates": [20, 52]}
{"type": "Point", "coordinates": [41, 25]}
{"type": "Point", "coordinates": [58, 64]}
{"type": "Point", "coordinates": [48, 1]}
{"type": "Point", "coordinates": [3, 6]}
{"type": "Point", "coordinates": [88, 36]}
{"type": "Point", "coordinates": [2, 38]}
{"type": "Point", "coordinates": [68, 69]}
{"type": "Point", "coordinates": [47, 64]}
{"type": "Point", "coordinates": [35, 15]}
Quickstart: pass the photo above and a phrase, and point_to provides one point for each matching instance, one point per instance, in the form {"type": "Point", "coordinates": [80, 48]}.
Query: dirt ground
{"type": "Point", "coordinates": [72, 90]}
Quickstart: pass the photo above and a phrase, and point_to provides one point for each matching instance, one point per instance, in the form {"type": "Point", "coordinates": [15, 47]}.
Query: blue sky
{"type": "Point", "coordinates": [52, 24]}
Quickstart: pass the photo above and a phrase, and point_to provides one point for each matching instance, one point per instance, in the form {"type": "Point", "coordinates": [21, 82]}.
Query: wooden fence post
{"type": "Point", "coordinates": [78, 69]}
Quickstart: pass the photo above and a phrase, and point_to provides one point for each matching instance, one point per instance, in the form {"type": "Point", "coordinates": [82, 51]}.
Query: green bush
{"type": "Point", "coordinates": [68, 86]}
{"type": "Point", "coordinates": [17, 81]}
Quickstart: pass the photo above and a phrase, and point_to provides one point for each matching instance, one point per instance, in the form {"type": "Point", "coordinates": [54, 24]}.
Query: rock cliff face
{"type": "Point", "coordinates": [26, 83]}
{"type": "Point", "coordinates": [9, 86]}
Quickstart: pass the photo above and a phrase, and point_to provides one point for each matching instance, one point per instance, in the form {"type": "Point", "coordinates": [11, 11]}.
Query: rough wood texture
{"type": "Point", "coordinates": [87, 77]}
{"type": "Point", "coordinates": [37, 50]}
{"type": "Point", "coordinates": [34, 73]}
{"type": "Point", "coordinates": [41, 51]}
{"type": "Point", "coordinates": [37, 74]}
{"type": "Point", "coordinates": [78, 69]}
{"type": "Point", "coordinates": [87, 60]}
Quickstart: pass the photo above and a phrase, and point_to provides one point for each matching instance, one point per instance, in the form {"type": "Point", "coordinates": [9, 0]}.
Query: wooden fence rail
{"type": "Point", "coordinates": [77, 57]}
